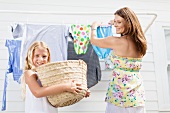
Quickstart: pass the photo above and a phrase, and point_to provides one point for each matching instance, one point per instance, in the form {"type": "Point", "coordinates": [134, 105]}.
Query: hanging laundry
{"type": "Point", "coordinates": [53, 35]}
{"type": "Point", "coordinates": [92, 61]}
{"type": "Point", "coordinates": [14, 49]}
{"type": "Point", "coordinates": [108, 62]}
{"type": "Point", "coordinates": [81, 34]}
{"type": "Point", "coordinates": [17, 30]}
{"type": "Point", "coordinates": [102, 32]}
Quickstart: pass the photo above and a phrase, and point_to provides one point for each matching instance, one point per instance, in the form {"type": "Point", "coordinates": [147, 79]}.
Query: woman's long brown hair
{"type": "Point", "coordinates": [133, 29]}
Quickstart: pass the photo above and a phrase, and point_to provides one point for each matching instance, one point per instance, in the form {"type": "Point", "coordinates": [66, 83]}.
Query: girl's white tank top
{"type": "Point", "coordinates": [37, 105]}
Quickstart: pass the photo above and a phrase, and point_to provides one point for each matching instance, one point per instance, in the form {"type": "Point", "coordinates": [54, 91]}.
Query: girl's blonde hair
{"type": "Point", "coordinates": [29, 63]}
{"type": "Point", "coordinates": [133, 29]}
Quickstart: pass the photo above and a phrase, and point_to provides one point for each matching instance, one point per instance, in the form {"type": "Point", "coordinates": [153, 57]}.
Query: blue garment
{"type": "Point", "coordinates": [102, 32]}
{"type": "Point", "coordinates": [14, 49]}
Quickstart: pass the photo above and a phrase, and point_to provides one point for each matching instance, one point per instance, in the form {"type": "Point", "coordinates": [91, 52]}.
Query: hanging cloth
{"type": "Point", "coordinates": [53, 35]}
{"type": "Point", "coordinates": [102, 32]}
{"type": "Point", "coordinates": [14, 47]}
{"type": "Point", "coordinates": [81, 34]}
{"type": "Point", "coordinates": [92, 61]}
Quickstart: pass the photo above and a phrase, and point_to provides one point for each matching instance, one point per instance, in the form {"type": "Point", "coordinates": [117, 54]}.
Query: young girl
{"type": "Point", "coordinates": [35, 95]}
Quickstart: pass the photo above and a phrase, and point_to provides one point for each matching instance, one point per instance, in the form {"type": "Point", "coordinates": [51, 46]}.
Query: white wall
{"type": "Point", "coordinates": [95, 103]}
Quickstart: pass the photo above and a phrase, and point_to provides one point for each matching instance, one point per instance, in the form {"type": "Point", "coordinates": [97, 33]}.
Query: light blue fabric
{"type": "Point", "coordinates": [55, 36]}
{"type": "Point", "coordinates": [4, 93]}
{"type": "Point", "coordinates": [103, 32]}
{"type": "Point", "coordinates": [14, 49]}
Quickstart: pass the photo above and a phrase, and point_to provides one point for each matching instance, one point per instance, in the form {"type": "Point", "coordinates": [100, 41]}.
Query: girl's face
{"type": "Point", "coordinates": [40, 56]}
{"type": "Point", "coordinates": [119, 24]}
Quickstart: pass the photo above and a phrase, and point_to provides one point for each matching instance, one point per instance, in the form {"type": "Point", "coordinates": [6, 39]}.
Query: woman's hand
{"type": "Point", "coordinates": [96, 24]}
{"type": "Point", "coordinates": [111, 22]}
{"type": "Point", "coordinates": [73, 87]}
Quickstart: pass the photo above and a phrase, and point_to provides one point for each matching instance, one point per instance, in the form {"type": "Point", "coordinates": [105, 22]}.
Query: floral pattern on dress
{"type": "Point", "coordinates": [126, 86]}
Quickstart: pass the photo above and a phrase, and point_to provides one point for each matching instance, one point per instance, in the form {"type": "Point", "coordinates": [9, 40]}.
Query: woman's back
{"type": "Point", "coordinates": [126, 48]}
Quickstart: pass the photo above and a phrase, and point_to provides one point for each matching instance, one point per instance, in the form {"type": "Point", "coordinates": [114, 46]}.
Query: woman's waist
{"type": "Point", "coordinates": [125, 86]}
{"type": "Point", "coordinates": [129, 76]}
{"type": "Point", "coordinates": [127, 69]}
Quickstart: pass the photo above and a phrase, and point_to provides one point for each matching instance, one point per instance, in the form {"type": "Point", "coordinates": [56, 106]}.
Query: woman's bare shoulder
{"type": "Point", "coordinates": [117, 40]}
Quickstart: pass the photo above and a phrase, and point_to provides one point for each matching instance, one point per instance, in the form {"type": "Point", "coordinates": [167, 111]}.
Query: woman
{"type": "Point", "coordinates": [125, 92]}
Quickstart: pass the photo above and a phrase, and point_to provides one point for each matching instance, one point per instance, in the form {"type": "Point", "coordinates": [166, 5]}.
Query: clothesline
{"type": "Point", "coordinates": [77, 13]}
{"type": "Point", "coordinates": [65, 13]}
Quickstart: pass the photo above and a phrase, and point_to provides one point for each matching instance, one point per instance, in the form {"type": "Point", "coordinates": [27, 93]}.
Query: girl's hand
{"type": "Point", "coordinates": [73, 87]}
{"type": "Point", "coordinates": [87, 93]}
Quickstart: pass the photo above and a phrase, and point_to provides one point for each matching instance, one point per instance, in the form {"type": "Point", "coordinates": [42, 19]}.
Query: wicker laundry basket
{"type": "Point", "coordinates": [61, 72]}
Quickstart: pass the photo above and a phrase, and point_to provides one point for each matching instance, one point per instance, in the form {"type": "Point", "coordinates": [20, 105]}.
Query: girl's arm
{"type": "Point", "coordinates": [38, 91]}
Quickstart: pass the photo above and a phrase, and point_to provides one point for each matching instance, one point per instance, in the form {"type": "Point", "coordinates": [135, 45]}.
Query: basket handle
{"type": "Point", "coordinates": [80, 61]}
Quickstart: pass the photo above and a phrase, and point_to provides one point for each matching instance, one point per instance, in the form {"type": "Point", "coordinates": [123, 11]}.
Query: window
{"type": "Point", "coordinates": [167, 41]}
{"type": "Point", "coordinates": [168, 72]}
{"type": "Point", "coordinates": [161, 52]}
